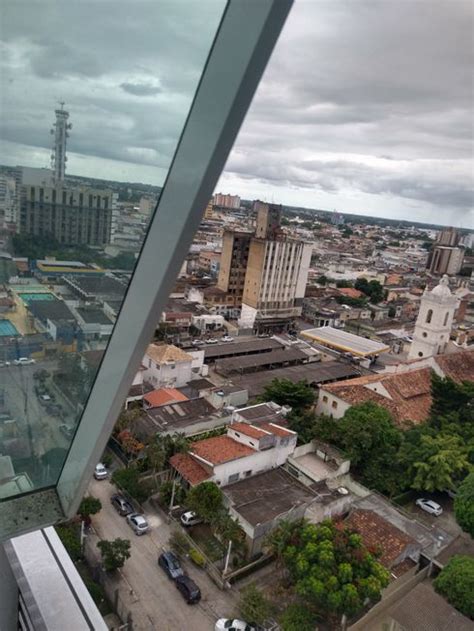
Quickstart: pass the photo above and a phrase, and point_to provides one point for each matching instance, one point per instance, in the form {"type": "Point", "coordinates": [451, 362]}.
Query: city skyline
{"type": "Point", "coordinates": [343, 131]}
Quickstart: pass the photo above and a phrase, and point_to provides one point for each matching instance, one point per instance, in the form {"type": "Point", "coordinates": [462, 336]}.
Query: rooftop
{"type": "Point", "coordinates": [175, 417]}
{"type": "Point", "coordinates": [189, 469]}
{"type": "Point", "coordinates": [315, 373]}
{"type": "Point", "coordinates": [220, 449]}
{"type": "Point", "coordinates": [93, 316]}
{"type": "Point", "coordinates": [379, 535]}
{"type": "Point", "coordinates": [343, 341]}
{"type": "Point", "coordinates": [409, 393]}
{"type": "Point", "coordinates": [422, 609]}
{"type": "Point", "coordinates": [246, 363]}
{"type": "Point", "coordinates": [230, 349]}
{"type": "Point", "coordinates": [164, 396]}
{"type": "Point", "coordinates": [262, 498]}
{"type": "Point", "coordinates": [262, 412]}
{"type": "Point", "coordinates": [457, 366]}
{"type": "Point", "coordinates": [249, 430]}
{"type": "Point", "coordinates": [164, 353]}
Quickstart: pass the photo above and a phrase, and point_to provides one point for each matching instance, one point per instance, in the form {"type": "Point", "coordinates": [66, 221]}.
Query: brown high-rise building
{"type": "Point", "coordinates": [446, 256]}
{"type": "Point", "coordinates": [234, 258]}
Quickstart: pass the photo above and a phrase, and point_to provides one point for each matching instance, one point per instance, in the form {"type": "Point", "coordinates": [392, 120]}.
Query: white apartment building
{"type": "Point", "coordinates": [226, 201]}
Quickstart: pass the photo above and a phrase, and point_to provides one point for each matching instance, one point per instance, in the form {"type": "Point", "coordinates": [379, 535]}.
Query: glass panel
{"type": "Point", "coordinates": [114, 82]}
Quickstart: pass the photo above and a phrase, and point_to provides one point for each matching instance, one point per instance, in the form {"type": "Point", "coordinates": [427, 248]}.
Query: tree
{"type": "Point", "coordinates": [372, 289]}
{"type": "Point", "coordinates": [343, 283]}
{"type": "Point", "coordinates": [253, 605]}
{"type": "Point", "coordinates": [436, 462]}
{"type": "Point", "coordinates": [303, 423]}
{"type": "Point", "coordinates": [129, 480]}
{"type": "Point", "coordinates": [114, 553]}
{"type": "Point", "coordinates": [392, 312]}
{"type": "Point", "coordinates": [464, 504]}
{"type": "Point", "coordinates": [368, 436]}
{"type": "Point", "coordinates": [322, 280]}
{"type": "Point", "coordinates": [298, 395]}
{"type": "Point", "coordinates": [128, 419]}
{"type": "Point", "coordinates": [70, 540]}
{"type": "Point", "coordinates": [331, 570]}
{"type": "Point", "coordinates": [205, 499]}
{"type": "Point", "coordinates": [298, 617]}
{"type": "Point", "coordinates": [449, 396]}
{"type": "Point", "coordinates": [89, 506]}
{"type": "Point", "coordinates": [456, 583]}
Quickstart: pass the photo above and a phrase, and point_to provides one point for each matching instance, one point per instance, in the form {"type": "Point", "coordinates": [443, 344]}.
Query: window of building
{"type": "Point", "coordinates": [325, 398]}
{"type": "Point", "coordinates": [334, 405]}
{"type": "Point", "coordinates": [446, 318]}
{"type": "Point", "coordinates": [233, 478]}
{"type": "Point", "coordinates": [425, 334]}
{"type": "Point", "coordinates": [420, 354]}
{"type": "Point", "coordinates": [248, 473]}
{"type": "Point", "coordinates": [429, 316]}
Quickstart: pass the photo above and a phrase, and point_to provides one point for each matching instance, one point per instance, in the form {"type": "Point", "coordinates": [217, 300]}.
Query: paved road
{"type": "Point", "coordinates": [155, 603]}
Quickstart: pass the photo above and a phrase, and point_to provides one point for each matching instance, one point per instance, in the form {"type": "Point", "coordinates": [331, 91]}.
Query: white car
{"type": "Point", "coordinates": [227, 338]}
{"type": "Point", "coordinates": [100, 472]}
{"type": "Point", "coordinates": [2, 363]}
{"type": "Point", "coordinates": [229, 624]}
{"type": "Point", "coordinates": [190, 518]}
{"type": "Point", "coordinates": [198, 343]}
{"type": "Point", "coordinates": [24, 361]}
{"type": "Point", "coordinates": [211, 340]}
{"type": "Point", "coordinates": [429, 506]}
{"type": "Point", "coordinates": [138, 523]}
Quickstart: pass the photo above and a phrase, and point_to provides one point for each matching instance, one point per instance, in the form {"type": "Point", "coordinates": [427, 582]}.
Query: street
{"type": "Point", "coordinates": [155, 603]}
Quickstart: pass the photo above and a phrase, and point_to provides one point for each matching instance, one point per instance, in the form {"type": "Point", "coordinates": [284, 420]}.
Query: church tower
{"type": "Point", "coordinates": [435, 318]}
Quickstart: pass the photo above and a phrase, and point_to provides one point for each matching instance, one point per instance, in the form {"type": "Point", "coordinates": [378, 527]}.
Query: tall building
{"type": "Point", "coordinates": [226, 201]}
{"type": "Point", "coordinates": [434, 321]}
{"type": "Point", "coordinates": [209, 213]}
{"type": "Point", "coordinates": [61, 134]}
{"type": "Point", "coordinates": [447, 255]}
{"type": "Point", "coordinates": [233, 265]}
{"type": "Point", "coordinates": [276, 275]}
{"type": "Point", "coordinates": [79, 216]}
{"type": "Point", "coordinates": [8, 200]}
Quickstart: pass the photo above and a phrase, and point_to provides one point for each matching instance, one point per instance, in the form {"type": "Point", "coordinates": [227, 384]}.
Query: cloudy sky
{"type": "Point", "coordinates": [366, 106]}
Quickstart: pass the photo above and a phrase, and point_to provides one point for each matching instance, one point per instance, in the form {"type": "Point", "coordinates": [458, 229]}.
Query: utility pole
{"type": "Point", "coordinates": [172, 498]}
{"type": "Point", "coordinates": [227, 559]}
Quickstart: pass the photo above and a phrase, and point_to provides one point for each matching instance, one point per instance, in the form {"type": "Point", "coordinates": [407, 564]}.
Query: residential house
{"type": "Point", "coordinates": [167, 366]}
{"type": "Point", "coordinates": [245, 450]}
{"type": "Point", "coordinates": [407, 396]}
{"type": "Point", "coordinates": [163, 396]}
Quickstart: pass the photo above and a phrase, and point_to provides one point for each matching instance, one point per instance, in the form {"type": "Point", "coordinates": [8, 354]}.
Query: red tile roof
{"type": "Point", "coordinates": [164, 396]}
{"type": "Point", "coordinates": [379, 534]}
{"type": "Point", "coordinates": [410, 393]}
{"type": "Point", "coordinates": [277, 429]}
{"type": "Point", "coordinates": [220, 449]}
{"type": "Point", "coordinates": [350, 292]}
{"type": "Point", "coordinates": [457, 366]}
{"type": "Point", "coordinates": [249, 430]}
{"type": "Point", "coordinates": [189, 469]}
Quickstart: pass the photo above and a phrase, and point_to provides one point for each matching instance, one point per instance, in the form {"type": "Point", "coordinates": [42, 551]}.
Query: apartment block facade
{"type": "Point", "coordinates": [233, 265]}
{"type": "Point", "coordinates": [79, 216]}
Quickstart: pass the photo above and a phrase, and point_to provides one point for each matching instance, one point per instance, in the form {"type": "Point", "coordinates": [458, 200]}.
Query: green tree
{"type": "Point", "coordinates": [456, 583]}
{"type": "Point", "coordinates": [89, 506]}
{"type": "Point", "coordinates": [330, 569]}
{"type": "Point", "coordinates": [128, 419]}
{"type": "Point", "coordinates": [253, 605]}
{"type": "Point", "coordinates": [392, 312]}
{"type": "Point", "coordinates": [435, 462]}
{"type": "Point", "coordinates": [205, 499]}
{"type": "Point", "coordinates": [369, 438]}
{"type": "Point", "coordinates": [114, 553]}
{"type": "Point", "coordinates": [298, 395]}
{"type": "Point", "coordinates": [303, 422]}
{"type": "Point", "coordinates": [322, 280]}
{"type": "Point", "coordinates": [464, 504]}
{"type": "Point", "coordinates": [449, 396]}
{"type": "Point", "coordinates": [129, 480]}
{"type": "Point", "coordinates": [298, 617]}
{"type": "Point", "coordinates": [343, 284]}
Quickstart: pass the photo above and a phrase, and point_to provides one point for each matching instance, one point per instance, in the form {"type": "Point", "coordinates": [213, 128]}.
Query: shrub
{"type": "Point", "coordinates": [197, 558]}
{"type": "Point", "coordinates": [129, 480]}
{"type": "Point", "coordinates": [253, 605]}
{"type": "Point", "coordinates": [456, 583]}
{"type": "Point", "coordinates": [114, 553]}
{"type": "Point", "coordinates": [89, 506]}
{"type": "Point", "coordinates": [464, 504]}
{"type": "Point", "coordinates": [107, 459]}
{"type": "Point", "coordinates": [298, 617]}
{"type": "Point", "coordinates": [178, 543]}
{"type": "Point", "coordinates": [69, 536]}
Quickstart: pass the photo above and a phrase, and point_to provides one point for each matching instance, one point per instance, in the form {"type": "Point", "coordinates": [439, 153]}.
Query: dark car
{"type": "Point", "coordinates": [170, 564]}
{"type": "Point", "coordinates": [121, 505]}
{"type": "Point", "coordinates": [188, 588]}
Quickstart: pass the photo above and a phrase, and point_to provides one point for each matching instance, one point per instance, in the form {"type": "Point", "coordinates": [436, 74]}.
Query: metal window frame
{"type": "Point", "coordinates": [241, 49]}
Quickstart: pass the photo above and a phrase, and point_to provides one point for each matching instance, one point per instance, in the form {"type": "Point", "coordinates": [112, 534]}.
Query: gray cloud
{"type": "Point", "coordinates": [361, 98]}
{"type": "Point", "coordinates": [140, 89]}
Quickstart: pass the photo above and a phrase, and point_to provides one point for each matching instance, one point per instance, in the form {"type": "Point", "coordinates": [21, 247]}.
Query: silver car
{"type": "Point", "coordinates": [100, 472]}
{"type": "Point", "coordinates": [138, 523]}
{"type": "Point", "coordinates": [429, 506]}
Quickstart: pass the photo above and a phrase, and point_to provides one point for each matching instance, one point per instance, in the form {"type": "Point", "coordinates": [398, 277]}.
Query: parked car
{"type": "Point", "coordinates": [188, 588]}
{"type": "Point", "coordinates": [198, 343]}
{"type": "Point", "coordinates": [211, 340]}
{"type": "Point", "coordinates": [67, 431]}
{"type": "Point", "coordinates": [100, 472]}
{"type": "Point", "coordinates": [263, 335]}
{"type": "Point", "coordinates": [24, 361]}
{"type": "Point", "coordinates": [44, 398]}
{"type": "Point", "coordinates": [121, 505]}
{"type": "Point", "coordinates": [2, 363]}
{"type": "Point", "coordinates": [227, 338]}
{"type": "Point", "coordinates": [138, 523]}
{"type": "Point", "coordinates": [170, 564]}
{"type": "Point", "coordinates": [229, 624]}
{"type": "Point", "coordinates": [190, 518]}
{"type": "Point", "coordinates": [429, 506]}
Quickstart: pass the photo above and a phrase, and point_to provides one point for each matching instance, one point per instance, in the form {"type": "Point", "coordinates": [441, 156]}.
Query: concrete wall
{"type": "Point", "coordinates": [8, 595]}
{"type": "Point", "coordinates": [327, 407]}
{"type": "Point", "coordinates": [173, 374]}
